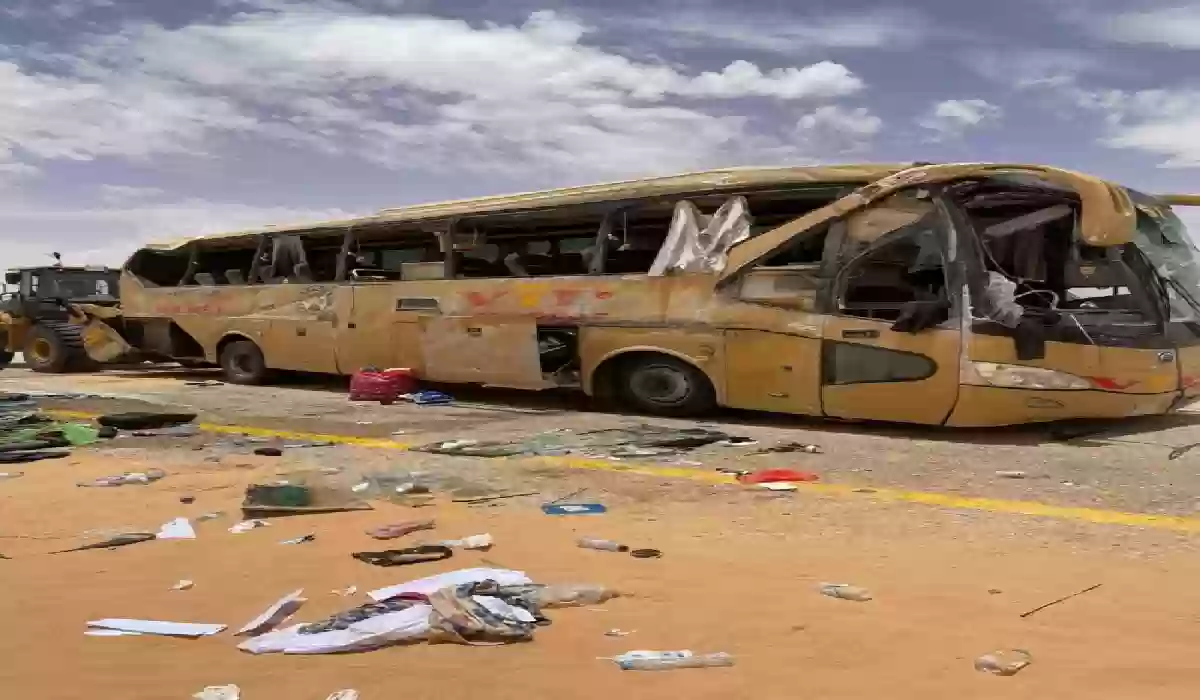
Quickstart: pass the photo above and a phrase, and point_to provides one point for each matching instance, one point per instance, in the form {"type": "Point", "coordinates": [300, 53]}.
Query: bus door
{"type": "Point", "coordinates": [1084, 334]}
{"type": "Point", "coordinates": [891, 339]}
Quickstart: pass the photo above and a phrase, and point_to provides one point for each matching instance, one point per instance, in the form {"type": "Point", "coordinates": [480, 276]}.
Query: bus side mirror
{"type": "Point", "coordinates": [12, 277]}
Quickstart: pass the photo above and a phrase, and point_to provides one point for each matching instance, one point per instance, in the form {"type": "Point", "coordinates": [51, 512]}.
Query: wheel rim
{"type": "Point", "coordinates": [41, 350]}
{"type": "Point", "coordinates": [243, 363]}
{"type": "Point", "coordinates": [661, 384]}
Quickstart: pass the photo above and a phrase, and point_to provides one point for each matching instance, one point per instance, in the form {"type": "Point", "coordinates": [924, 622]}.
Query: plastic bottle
{"type": "Point", "coordinates": [605, 545]}
{"type": "Point", "coordinates": [1003, 663]}
{"type": "Point", "coordinates": [845, 591]}
{"type": "Point", "coordinates": [569, 594]}
{"type": "Point", "coordinates": [668, 660]}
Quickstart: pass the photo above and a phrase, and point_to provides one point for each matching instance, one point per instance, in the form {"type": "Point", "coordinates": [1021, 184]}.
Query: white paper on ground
{"type": "Point", "coordinates": [111, 633]}
{"type": "Point", "coordinates": [344, 695]}
{"type": "Point", "coordinates": [479, 542]}
{"type": "Point", "coordinates": [779, 486]}
{"type": "Point", "coordinates": [272, 616]}
{"type": "Point", "coordinates": [503, 609]}
{"type": "Point", "coordinates": [168, 629]}
{"type": "Point", "coordinates": [219, 692]}
{"type": "Point", "coordinates": [431, 584]}
{"type": "Point", "coordinates": [410, 624]}
{"type": "Point", "coordinates": [247, 526]}
{"type": "Point", "coordinates": [177, 529]}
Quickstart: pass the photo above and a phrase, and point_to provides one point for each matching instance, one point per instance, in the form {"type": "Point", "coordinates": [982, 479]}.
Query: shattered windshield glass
{"type": "Point", "coordinates": [1164, 240]}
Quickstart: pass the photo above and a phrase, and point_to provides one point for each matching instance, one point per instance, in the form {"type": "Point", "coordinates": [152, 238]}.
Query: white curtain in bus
{"type": "Point", "coordinates": [696, 243]}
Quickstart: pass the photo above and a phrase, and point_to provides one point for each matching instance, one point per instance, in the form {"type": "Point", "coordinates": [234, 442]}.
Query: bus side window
{"type": "Point", "coordinates": [891, 256]}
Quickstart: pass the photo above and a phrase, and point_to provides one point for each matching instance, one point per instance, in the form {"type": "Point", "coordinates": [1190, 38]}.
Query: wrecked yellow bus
{"type": "Point", "coordinates": [960, 295]}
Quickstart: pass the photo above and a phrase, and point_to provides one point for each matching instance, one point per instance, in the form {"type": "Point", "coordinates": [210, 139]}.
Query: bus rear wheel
{"type": "Point", "coordinates": [243, 363]}
{"type": "Point", "coordinates": [665, 386]}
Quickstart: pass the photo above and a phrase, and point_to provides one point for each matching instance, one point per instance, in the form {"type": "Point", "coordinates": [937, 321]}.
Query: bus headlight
{"type": "Point", "coordinates": [1023, 377]}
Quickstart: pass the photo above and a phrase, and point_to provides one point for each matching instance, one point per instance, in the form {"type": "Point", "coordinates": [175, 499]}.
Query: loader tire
{"type": "Point", "coordinates": [54, 348]}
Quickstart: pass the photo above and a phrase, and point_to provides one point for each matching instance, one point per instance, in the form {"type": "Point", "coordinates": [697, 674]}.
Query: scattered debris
{"type": "Point", "coordinates": [187, 500]}
{"type": "Point", "coordinates": [478, 605]}
{"type": "Point", "coordinates": [349, 694]}
{"type": "Point", "coordinates": [1003, 663]}
{"type": "Point", "coordinates": [300, 540]}
{"type": "Point", "coordinates": [770, 476]}
{"type": "Point", "coordinates": [994, 591]}
{"type": "Point", "coordinates": [401, 557]}
{"type": "Point", "coordinates": [268, 452]}
{"type": "Point", "coordinates": [845, 591]}
{"type": "Point", "coordinates": [668, 660]}
{"type": "Point", "coordinates": [1181, 451]}
{"type": "Point", "coordinates": [188, 630]}
{"type": "Point", "coordinates": [574, 509]}
{"type": "Point", "coordinates": [646, 554]}
{"type": "Point", "coordinates": [118, 541]}
{"type": "Point", "coordinates": [205, 382]}
{"type": "Point", "coordinates": [183, 585]}
{"type": "Point", "coordinates": [429, 584]}
{"type": "Point", "coordinates": [247, 526]}
{"type": "Point", "coordinates": [789, 447]}
{"type": "Point", "coordinates": [779, 486]}
{"type": "Point", "coordinates": [11, 475]}
{"type": "Point", "coordinates": [270, 618]}
{"type": "Point", "coordinates": [573, 494]}
{"type": "Point", "coordinates": [480, 543]}
{"type": "Point", "coordinates": [147, 477]}
{"type": "Point", "coordinates": [485, 499]}
{"type": "Point", "coordinates": [738, 441]}
{"type": "Point", "coordinates": [428, 398]}
{"type": "Point", "coordinates": [177, 529]}
{"type": "Point", "coordinates": [636, 441]}
{"type": "Point", "coordinates": [219, 692]}
{"type": "Point", "coordinates": [274, 500]}
{"type": "Point", "coordinates": [144, 420]}
{"type": "Point", "coordinates": [1011, 474]}
{"type": "Point", "coordinates": [31, 456]}
{"type": "Point", "coordinates": [347, 591]}
{"type": "Point", "coordinates": [1061, 600]}
{"type": "Point", "coordinates": [172, 431]}
{"type": "Point", "coordinates": [617, 633]}
{"type": "Point", "coordinates": [603, 545]}
{"type": "Point", "coordinates": [210, 516]}
{"type": "Point", "coordinates": [395, 530]}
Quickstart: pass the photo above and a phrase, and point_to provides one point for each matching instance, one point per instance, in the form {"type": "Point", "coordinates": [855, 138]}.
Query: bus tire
{"type": "Point", "coordinates": [662, 385]}
{"type": "Point", "coordinates": [243, 363]}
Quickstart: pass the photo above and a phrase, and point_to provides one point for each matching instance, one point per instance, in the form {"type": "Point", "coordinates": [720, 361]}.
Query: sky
{"type": "Point", "coordinates": [124, 121]}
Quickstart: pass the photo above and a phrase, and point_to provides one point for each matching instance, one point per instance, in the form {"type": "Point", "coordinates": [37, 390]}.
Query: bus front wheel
{"type": "Point", "coordinates": [665, 386]}
{"type": "Point", "coordinates": [243, 363]}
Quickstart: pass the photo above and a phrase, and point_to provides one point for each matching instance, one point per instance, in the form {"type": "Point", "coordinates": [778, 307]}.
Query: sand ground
{"type": "Point", "coordinates": [739, 574]}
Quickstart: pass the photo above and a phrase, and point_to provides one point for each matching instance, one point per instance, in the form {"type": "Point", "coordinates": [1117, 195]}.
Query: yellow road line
{"type": "Point", "coordinates": [941, 500]}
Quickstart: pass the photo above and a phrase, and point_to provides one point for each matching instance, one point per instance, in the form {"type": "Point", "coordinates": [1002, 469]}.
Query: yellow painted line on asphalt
{"type": "Point", "coordinates": [940, 500]}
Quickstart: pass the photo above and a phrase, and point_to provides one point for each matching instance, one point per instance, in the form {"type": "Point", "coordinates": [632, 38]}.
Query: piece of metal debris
{"type": "Point", "coordinates": [1061, 600]}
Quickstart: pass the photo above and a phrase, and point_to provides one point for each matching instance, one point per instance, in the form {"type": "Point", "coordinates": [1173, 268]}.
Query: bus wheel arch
{"type": "Point", "coordinates": [241, 360]}
{"type": "Point", "coordinates": [655, 381]}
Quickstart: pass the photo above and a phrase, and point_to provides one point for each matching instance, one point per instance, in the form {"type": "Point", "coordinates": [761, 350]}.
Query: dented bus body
{"type": "Point", "coordinates": [962, 295]}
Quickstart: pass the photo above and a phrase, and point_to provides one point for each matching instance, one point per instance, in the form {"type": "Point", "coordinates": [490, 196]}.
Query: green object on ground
{"type": "Point", "coordinates": [79, 433]}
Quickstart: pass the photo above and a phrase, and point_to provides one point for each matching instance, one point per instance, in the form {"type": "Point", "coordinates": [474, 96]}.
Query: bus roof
{"type": "Point", "coordinates": [698, 182]}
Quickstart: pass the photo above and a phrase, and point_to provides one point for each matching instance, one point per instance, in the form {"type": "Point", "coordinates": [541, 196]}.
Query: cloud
{"type": "Point", "coordinates": [951, 118]}
{"type": "Point", "coordinates": [1029, 67]}
{"type": "Point", "coordinates": [839, 127]}
{"type": "Point", "coordinates": [1163, 122]}
{"type": "Point", "coordinates": [789, 34]}
{"type": "Point", "coordinates": [1176, 27]}
{"type": "Point", "coordinates": [114, 232]}
{"type": "Point", "coordinates": [405, 91]}
{"type": "Point", "coordinates": [115, 194]}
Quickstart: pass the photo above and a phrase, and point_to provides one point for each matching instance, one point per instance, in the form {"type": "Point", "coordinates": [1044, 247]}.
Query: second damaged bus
{"type": "Point", "coordinates": [960, 295]}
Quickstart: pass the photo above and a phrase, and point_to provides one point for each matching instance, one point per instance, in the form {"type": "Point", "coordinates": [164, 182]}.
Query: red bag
{"type": "Point", "coordinates": [770, 476]}
{"type": "Point", "coordinates": [384, 387]}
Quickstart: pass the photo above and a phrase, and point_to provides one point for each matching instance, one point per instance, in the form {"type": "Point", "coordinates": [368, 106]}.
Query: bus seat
{"type": "Point", "coordinates": [235, 277]}
{"type": "Point", "coordinates": [205, 279]}
{"type": "Point", "coordinates": [302, 273]}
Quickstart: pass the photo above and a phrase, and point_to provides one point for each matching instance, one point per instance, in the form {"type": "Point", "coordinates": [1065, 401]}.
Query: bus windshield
{"type": "Point", "coordinates": [1164, 240]}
